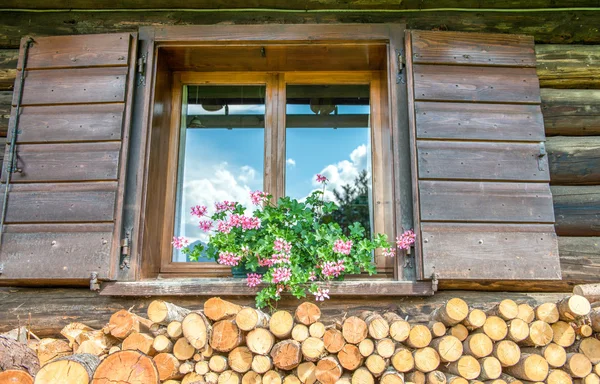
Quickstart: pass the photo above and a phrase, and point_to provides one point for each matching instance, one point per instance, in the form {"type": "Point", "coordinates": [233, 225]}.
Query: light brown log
{"type": "Point", "coordinates": [286, 354]}
{"type": "Point", "coordinates": [436, 377]}
{"type": "Point", "coordinates": [507, 352]}
{"type": "Point", "coordinates": [168, 366]}
{"type": "Point", "coordinates": [362, 376]}
{"type": "Point", "coordinates": [114, 349]}
{"type": "Point", "coordinates": [496, 381]}
{"type": "Point", "coordinates": [260, 341]}
{"type": "Point", "coordinates": [426, 359]}
{"type": "Point", "coordinates": [452, 312]}
{"type": "Point", "coordinates": [592, 378]}
{"type": "Point", "coordinates": [261, 364]}
{"type": "Point", "coordinates": [251, 377]}
{"type": "Point", "coordinates": [530, 367]}
{"type": "Point", "coordinates": [249, 318]}
{"type": "Point", "coordinates": [201, 367]}
{"type": "Point", "coordinates": [174, 330]}
{"type": "Point", "coordinates": [453, 379]}
{"type": "Point", "coordinates": [94, 342]}
{"type": "Point", "coordinates": [518, 330]}
{"type": "Point", "coordinates": [16, 355]}
{"type": "Point", "coordinates": [557, 376]}
{"type": "Point", "coordinates": [583, 330]}
{"type": "Point", "coordinates": [475, 319]}
{"type": "Point", "coordinates": [217, 309]}
{"type": "Point", "coordinates": [509, 379]}
{"type": "Point", "coordinates": [466, 366]}
{"type": "Point", "coordinates": [495, 327]}
{"type": "Point", "coordinates": [540, 334]}
{"type": "Point", "coordinates": [399, 328]}
{"type": "Point", "coordinates": [183, 350]}
{"type": "Point", "coordinates": [573, 307]}
{"type": "Point", "coordinates": [306, 372]}
{"type": "Point", "coordinates": [589, 291]}
{"type": "Point", "coordinates": [554, 354]}
{"type": "Point", "coordinates": [377, 326]}
{"type": "Point", "coordinates": [272, 377]}
{"type": "Point", "coordinates": [230, 377]}
{"type": "Point", "coordinates": [597, 369]}
{"type": "Point", "coordinates": [350, 357]}
{"type": "Point", "coordinates": [416, 377]}
{"type": "Point", "coordinates": [385, 347]}
{"type": "Point", "coordinates": [77, 368]}
{"type": "Point", "coordinates": [547, 312]}
{"type": "Point", "coordinates": [139, 342]}
{"type": "Point", "coordinates": [490, 368]}
{"type": "Point", "coordinates": [196, 329]}
{"type": "Point", "coordinates": [316, 329]}
{"type": "Point", "coordinates": [293, 379]}
{"type": "Point", "coordinates": [190, 378]}
{"type": "Point", "coordinates": [225, 336]}
{"type": "Point", "coordinates": [449, 348]}
{"type": "Point", "coordinates": [131, 367]}
{"type": "Point", "coordinates": [507, 309]}
{"type": "Point", "coordinates": [218, 363]}
{"type": "Point", "coordinates": [590, 347]}
{"type": "Point", "coordinates": [158, 329]}
{"type": "Point", "coordinates": [563, 334]}
{"type": "Point", "coordinates": [240, 359]}
{"type": "Point", "coordinates": [15, 376]}
{"type": "Point", "coordinates": [437, 328]}
{"type": "Point", "coordinates": [162, 344]}
{"type": "Point", "coordinates": [187, 367]}
{"type": "Point", "coordinates": [281, 324]}
{"type": "Point", "coordinates": [333, 340]}
{"type": "Point", "coordinates": [595, 319]}
{"type": "Point", "coordinates": [307, 313]}
{"type": "Point", "coordinates": [174, 382]}
{"type": "Point", "coordinates": [163, 312]}
{"type": "Point", "coordinates": [459, 331]}
{"type": "Point", "coordinates": [354, 330]}
{"type": "Point", "coordinates": [50, 349]}
{"type": "Point", "coordinates": [376, 364]}
{"type": "Point", "coordinates": [403, 360]}
{"type": "Point", "coordinates": [391, 376]}
{"type": "Point", "coordinates": [300, 332]}
{"type": "Point", "coordinates": [72, 330]}
{"type": "Point", "coordinates": [578, 365]}
{"type": "Point", "coordinates": [123, 323]}
{"type": "Point", "coordinates": [526, 313]}
{"type": "Point", "coordinates": [211, 378]}
{"type": "Point", "coordinates": [419, 336]}
{"type": "Point", "coordinates": [478, 345]}
{"type": "Point", "coordinates": [366, 347]}
{"type": "Point", "coordinates": [328, 370]}
{"type": "Point", "coordinates": [313, 348]}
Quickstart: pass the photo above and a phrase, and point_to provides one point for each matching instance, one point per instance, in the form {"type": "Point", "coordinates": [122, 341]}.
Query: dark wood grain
{"type": "Point", "coordinates": [580, 259]}
{"type": "Point", "coordinates": [481, 161]}
{"type": "Point", "coordinates": [79, 51]}
{"type": "Point", "coordinates": [65, 202]}
{"type": "Point", "coordinates": [577, 210]}
{"type": "Point", "coordinates": [571, 112]}
{"type": "Point", "coordinates": [433, 47]}
{"type": "Point", "coordinates": [485, 202]}
{"type": "Point", "coordinates": [466, 83]}
{"type": "Point", "coordinates": [574, 160]}
{"type": "Point", "coordinates": [56, 251]}
{"type": "Point", "coordinates": [67, 162]}
{"type": "Point", "coordinates": [493, 251]}
{"type": "Point", "coordinates": [469, 121]}
{"type": "Point", "coordinates": [8, 68]}
{"type": "Point", "coordinates": [5, 105]}
{"type": "Point", "coordinates": [568, 66]}
{"type": "Point", "coordinates": [82, 85]}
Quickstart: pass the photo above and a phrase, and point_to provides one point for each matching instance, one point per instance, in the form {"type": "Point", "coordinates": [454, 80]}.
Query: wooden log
{"type": "Point", "coordinates": [183, 350]}
{"type": "Point", "coordinates": [261, 364]}
{"type": "Point", "coordinates": [306, 372]}
{"type": "Point", "coordinates": [426, 359]}
{"type": "Point", "coordinates": [507, 310]}
{"type": "Point", "coordinates": [217, 309]}
{"type": "Point", "coordinates": [350, 357]}
{"type": "Point", "coordinates": [452, 312]}
{"type": "Point", "coordinates": [491, 369]}
{"type": "Point", "coordinates": [595, 319]}
{"type": "Point", "coordinates": [211, 378]}
{"type": "Point", "coordinates": [230, 377]}
{"type": "Point", "coordinates": [478, 345]}
{"type": "Point", "coordinates": [526, 313]}
{"type": "Point", "coordinates": [328, 370]}
{"type": "Point", "coordinates": [563, 334]}
{"type": "Point", "coordinates": [590, 291]}
{"type": "Point", "coordinates": [345, 379]}
{"type": "Point", "coordinates": [163, 312]}
{"type": "Point", "coordinates": [540, 334]}
{"type": "Point", "coordinates": [437, 328]}
{"type": "Point", "coordinates": [376, 364]}
{"type": "Point", "coordinates": [577, 210]}
{"type": "Point", "coordinates": [272, 377]}
{"type": "Point", "coordinates": [218, 363]}
{"type": "Point", "coordinates": [72, 330]}
{"type": "Point", "coordinates": [201, 367]}
{"type": "Point", "coordinates": [475, 319]}
{"type": "Point", "coordinates": [362, 376]}
{"type": "Point", "coordinates": [157, 329]}
{"type": "Point", "coordinates": [51, 349]}
{"type": "Point", "coordinates": [509, 379]}
{"type": "Point", "coordinates": [249, 318]}
{"type": "Point", "coordinates": [77, 368]}
{"type": "Point", "coordinates": [333, 340]}
{"type": "Point", "coordinates": [260, 341]}
{"type": "Point", "coordinates": [557, 376]}
{"type": "Point", "coordinates": [286, 354]}
{"type": "Point", "coordinates": [123, 323]}
{"type": "Point", "coordinates": [15, 376]}
{"type": "Point", "coordinates": [567, 66]}
{"type": "Point", "coordinates": [196, 329]}
{"type": "Point", "coordinates": [187, 367]}
{"type": "Point", "coordinates": [449, 348]}
{"type": "Point", "coordinates": [366, 347]}
{"type": "Point", "coordinates": [495, 327]}
{"type": "Point", "coordinates": [225, 336]}
{"type": "Point", "coordinates": [453, 379]}
{"type": "Point", "coordinates": [592, 378]}
{"type": "Point", "coordinates": [554, 354]}
{"type": "Point", "coordinates": [418, 337]}
{"type": "Point", "coordinates": [391, 376]}
{"type": "Point", "coordinates": [578, 365]}
{"type": "Point", "coordinates": [377, 326]}
{"type": "Point", "coordinates": [583, 330]}
{"type": "Point", "coordinates": [313, 348]}
{"type": "Point", "coordinates": [139, 342]}
{"type": "Point", "coordinates": [300, 332]}
{"type": "Point", "coordinates": [459, 331]}
{"type": "Point", "coordinates": [114, 349]}
{"type": "Point", "coordinates": [435, 377]}
{"type": "Point", "coordinates": [307, 313]}
{"type": "Point", "coordinates": [354, 330]}
{"type": "Point", "coordinates": [518, 330]}
{"type": "Point", "coordinates": [385, 348]}
{"type": "Point", "coordinates": [466, 366]}
{"type": "Point", "coordinates": [251, 377]}
{"type": "Point", "coordinates": [507, 352]}
{"type": "Point", "coordinates": [416, 377]}
{"type": "Point", "coordinates": [403, 360]}
{"type": "Point", "coordinates": [316, 329]}
{"type": "Point", "coordinates": [190, 378]}
{"type": "Point", "coordinates": [293, 379]}
{"type": "Point", "coordinates": [162, 344]}
{"type": "Point", "coordinates": [240, 359]}
{"type": "Point", "coordinates": [574, 307]}
{"type": "Point", "coordinates": [590, 347]}
{"type": "Point", "coordinates": [174, 330]}
{"type": "Point", "coordinates": [281, 324]}
{"type": "Point", "coordinates": [530, 367]}
{"type": "Point", "coordinates": [571, 112]}
{"type": "Point", "coordinates": [399, 328]}
{"type": "Point", "coordinates": [94, 342]}
{"type": "Point", "coordinates": [168, 366]}
{"type": "Point", "coordinates": [15, 355]}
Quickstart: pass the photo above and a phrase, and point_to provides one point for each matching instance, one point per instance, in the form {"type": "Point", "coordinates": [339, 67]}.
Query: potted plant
{"type": "Point", "coordinates": [288, 246]}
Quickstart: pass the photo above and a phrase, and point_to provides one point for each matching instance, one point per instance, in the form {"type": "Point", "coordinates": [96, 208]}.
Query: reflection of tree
{"type": "Point", "coordinates": [353, 202]}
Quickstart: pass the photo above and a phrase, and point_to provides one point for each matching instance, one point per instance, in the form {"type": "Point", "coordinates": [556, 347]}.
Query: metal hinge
{"type": "Point", "coordinates": [141, 69]}
{"type": "Point", "coordinates": [541, 156]}
{"type": "Point", "coordinates": [125, 250]}
{"type": "Point", "coordinates": [94, 283]}
{"type": "Point", "coordinates": [434, 282]}
{"type": "Point", "coordinates": [401, 75]}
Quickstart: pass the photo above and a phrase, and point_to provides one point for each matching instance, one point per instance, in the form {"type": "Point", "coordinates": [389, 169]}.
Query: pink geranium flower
{"type": "Point", "coordinates": [343, 247]}
{"type": "Point", "coordinates": [321, 294]}
{"type": "Point", "coordinates": [229, 258]}
{"type": "Point", "coordinates": [258, 197]}
{"type": "Point", "coordinates": [205, 225]}
{"type": "Point", "coordinates": [321, 178]}
{"type": "Point", "coordinates": [281, 275]}
{"type": "Point", "coordinates": [224, 206]}
{"type": "Point", "coordinates": [199, 210]}
{"type": "Point", "coordinates": [389, 252]}
{"type": "Point", "coordinates": [405, 240]}
{"type": "Point", "coordinates": [180, 242]}
{"type": "Point", "coordinates": [223, 227]}
{"type": "Point", "coordinates": [280, 245]}
{"type": "Point", "coordinates": [332, 268]}
{"type": "Point", "coordinates": [253, 279]}
{"type": "Point", "coordinates": [312, 276]}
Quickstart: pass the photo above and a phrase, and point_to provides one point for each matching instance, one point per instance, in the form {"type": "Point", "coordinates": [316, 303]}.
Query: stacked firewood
{"type": "Point", "coordinates": [226, 343]}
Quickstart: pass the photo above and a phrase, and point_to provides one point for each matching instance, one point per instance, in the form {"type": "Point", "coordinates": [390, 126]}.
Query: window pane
{"type": "Point", "coordinates": [328, 133]}
{"type": "Point", "coordinates": [221, 153]}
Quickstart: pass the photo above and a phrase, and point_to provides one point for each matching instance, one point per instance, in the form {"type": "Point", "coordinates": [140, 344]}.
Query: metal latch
{"type": "Point", "coordinates": [541, 156]}
{"type": "Point", "coordinates": [401, 75]}
{"type": "Point", "coordinates": [141, 69]}
{"type": "Point", "coordinates": [434, 282]}
{"type": "Point", "coordinates": [94, 283]}
{"type": "Point", "coordinates": [125, 250]}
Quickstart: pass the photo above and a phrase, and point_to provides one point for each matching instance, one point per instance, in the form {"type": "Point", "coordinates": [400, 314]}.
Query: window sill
{"type": "Point", "coordinates": [237, 287]}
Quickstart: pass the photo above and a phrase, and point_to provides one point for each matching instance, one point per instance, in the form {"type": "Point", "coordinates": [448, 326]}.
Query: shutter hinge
{"type": "Point", "coordinates": [401, 75]}
{"type": "Point", "coordinates": [125, 250]}
{"type": "Point", "coordinates": [434, 282]}
{"type": "Point", "coordinates": [141, 69]}
{"type": "Point", "coordinates": [94, 283]}
{"type": "Point", "coordinates": [541, 156]}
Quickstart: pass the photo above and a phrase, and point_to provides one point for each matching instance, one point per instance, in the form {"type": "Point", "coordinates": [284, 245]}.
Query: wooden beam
{"type": "Point", "coordinates": [574, 160]}
{"type": "Point", "coordinates": [292, 121]}
{"type": "Point", "coordinates": [8, 68]}
{"type": "Point", "coordinates": [571, 112]}
{"type": "Point", "coordinates": [577, 210]}
{"type": "Point", "coordinates": [568, 66]}
{"type": "Point", "coordinates": [5, 105]}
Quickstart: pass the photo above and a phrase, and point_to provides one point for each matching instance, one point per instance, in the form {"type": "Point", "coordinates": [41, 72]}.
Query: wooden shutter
{"type": "Point", "coordinates": [482, 202]}
{"type": "Point", "coordinates": [64, 207]}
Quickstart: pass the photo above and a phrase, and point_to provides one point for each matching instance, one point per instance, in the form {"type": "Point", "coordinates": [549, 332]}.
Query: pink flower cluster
{"type": "Point", "coordinates": [280, 245]}
{"type": "Point", "coordinates": [343, 247]}
{"type": "Point", "coordinates": [389, 252]}
{"type": "Point", "coordinates": [223, 227]}
{"type": "Point", "coordinates": [229, 258]}
{"type": "Point", "coordinates": [265, 262]}
{"type": "Point", "coordinates": [205, 225]}
{"type": "Point", "coordinates": [321, 178]}
{"type": "Point", "coordinates": [280, 258]}
{"type": "Point", "coordinates": [332, 268]}
{"type": "Point", "coordinates": [253, 279]}
{"type": "Point", "coordinates": [321, 294]}
{"type": "Point", "coordinates": [180, 242]}
{"type": "Point", "coordinates": [225, 206]}
{"type": "Point", "coordinates": [245, 222]}
{"type": "Point", "coordinates": [199, 210]}
{"type": "Point", "coordinates": [281, 275]}
{"type": "Point", "coordinates": [258, 197]}
{"type": "Point", "coordinates": [405, 240]}
{"type": "Point", "coordinates": [312, 276]}
{"type": "Point", "coordinates": [280, 288]}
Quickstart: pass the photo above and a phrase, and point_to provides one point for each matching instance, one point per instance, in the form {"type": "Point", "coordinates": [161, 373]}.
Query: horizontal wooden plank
{"type": "Point", "coordinates": [8, 68]}
{"type": "Point", "coordinates": [67, 162]}
{"type": "Point", "coordinates": [481, 161]}
{"type": "Point", "coordinates": [79, 51]}
{"type": "Point", "coordinates": [60, 203]}
{"type": "Point", "coordinates": [5, 106]}
{"type": "Point", "coordinates": [577, 210]}
{"type": "Point", "coordinates": [568, 66]}
{"type": "Point", "coordinates": [571, 112]}
{"type": "Point", "coordinates": [485, 202]}
{"type": "Point", "coordinates": [71, 86]}
{"type": "Point", "coordinates": [70, 123]}
{"type": "Point", "coordinates": [466, 251]}
{"type": "Point", "coordinates": [56, 252]}
{"type": "Point", "coordinates": [469, 121]}
{"type": "Point", "coordinates": [574, 160]}
{"type": "Point", "coordinates": [481, 84]}
{"type": "Point", "coordinates": [436, 47]}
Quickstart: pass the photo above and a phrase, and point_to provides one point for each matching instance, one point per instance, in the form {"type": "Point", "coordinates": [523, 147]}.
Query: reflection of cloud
{"type": "Point", "coordinates": [344, 172]}
{"type": "Point", "coordinates": [291, 162]}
